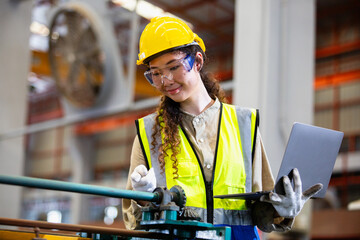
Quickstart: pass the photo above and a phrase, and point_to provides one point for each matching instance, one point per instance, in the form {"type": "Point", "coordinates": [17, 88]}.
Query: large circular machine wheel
{"type": "Point", "coordinates": [76, 57]}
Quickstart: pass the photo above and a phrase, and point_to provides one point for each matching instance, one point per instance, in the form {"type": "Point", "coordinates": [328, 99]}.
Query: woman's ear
{"type": "Point", "coordinates": [199, 61]}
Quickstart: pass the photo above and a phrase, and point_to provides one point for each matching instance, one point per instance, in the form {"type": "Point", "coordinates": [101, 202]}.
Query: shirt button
{"type": "Point", "coordinates": [208, 166]}
{"type": "Point", "coordinates": [201, 140]}
{"type": "Point", "coordinates": [197, 120]}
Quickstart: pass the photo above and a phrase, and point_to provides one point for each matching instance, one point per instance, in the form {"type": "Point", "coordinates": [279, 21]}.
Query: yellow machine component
{"type": "Point", "coordinates": [22, 235]}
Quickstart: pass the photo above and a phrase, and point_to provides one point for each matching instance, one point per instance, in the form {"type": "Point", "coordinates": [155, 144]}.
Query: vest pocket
{"type": "Point", "coordinates": [234, 188]}
{"type": "Point", "coordinates": [229, 204]}
{"type": "Point", "coordinates": [233, 175]}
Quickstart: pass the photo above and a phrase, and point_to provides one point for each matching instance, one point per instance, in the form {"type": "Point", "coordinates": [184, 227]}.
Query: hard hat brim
{"type": "Point", "coordinates": [150, 58]}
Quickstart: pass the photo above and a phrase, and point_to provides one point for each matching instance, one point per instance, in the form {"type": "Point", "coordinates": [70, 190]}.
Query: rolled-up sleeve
{"type": "Point", "coordinates": [263, 179]}
{"type": "Point", "coordinates": [130, 208]}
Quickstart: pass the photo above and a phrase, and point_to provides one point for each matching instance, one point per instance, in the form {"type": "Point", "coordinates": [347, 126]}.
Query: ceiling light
{"type": "Point", "coordinates": [144, 8]}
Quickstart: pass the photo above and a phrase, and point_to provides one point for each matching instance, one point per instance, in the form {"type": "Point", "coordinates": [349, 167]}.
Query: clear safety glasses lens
{"type": "Point", "coordinates": [155, 77]}
{"type": "Point", "coordinates": [148, 77]}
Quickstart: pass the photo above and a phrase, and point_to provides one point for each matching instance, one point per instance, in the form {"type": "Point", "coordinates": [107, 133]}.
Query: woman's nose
{"type": "Point", "coordinates": [166, 78]}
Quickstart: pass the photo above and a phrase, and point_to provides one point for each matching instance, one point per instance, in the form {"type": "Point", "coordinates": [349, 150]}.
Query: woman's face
{"type": "Point", "coordinates": [172, 78]}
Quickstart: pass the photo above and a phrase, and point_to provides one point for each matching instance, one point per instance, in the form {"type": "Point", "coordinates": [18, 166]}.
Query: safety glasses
{"type": "Point", "coordinates": [169, 71]}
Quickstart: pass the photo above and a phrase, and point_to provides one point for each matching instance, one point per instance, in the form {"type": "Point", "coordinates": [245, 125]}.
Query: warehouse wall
{"type": "Point", "coordinates": [273, 66]}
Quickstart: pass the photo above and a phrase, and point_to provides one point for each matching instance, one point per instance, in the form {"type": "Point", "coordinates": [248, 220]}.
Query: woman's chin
{"type": "Point", "coordinates": [177, 97]}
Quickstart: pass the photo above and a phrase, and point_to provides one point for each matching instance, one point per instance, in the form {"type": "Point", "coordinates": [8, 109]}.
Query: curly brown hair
{"type": "Point", "coordinates": [169, 116]}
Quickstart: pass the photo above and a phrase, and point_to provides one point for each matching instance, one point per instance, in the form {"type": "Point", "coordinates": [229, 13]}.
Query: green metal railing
{"type": "Point", "coordinates": [79, 188]}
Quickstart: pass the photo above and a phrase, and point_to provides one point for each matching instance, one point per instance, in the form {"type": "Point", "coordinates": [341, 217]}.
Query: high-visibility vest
{"type": "Point", "coordinates": [232, 171]}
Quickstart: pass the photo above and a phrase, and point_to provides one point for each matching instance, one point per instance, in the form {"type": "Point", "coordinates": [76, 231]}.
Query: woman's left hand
{"type": "Point", "coordinates": [290, 204]}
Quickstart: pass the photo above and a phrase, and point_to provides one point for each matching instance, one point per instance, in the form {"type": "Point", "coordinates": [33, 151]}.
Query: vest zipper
{"type": "Point", "coordinates": [209, 202]}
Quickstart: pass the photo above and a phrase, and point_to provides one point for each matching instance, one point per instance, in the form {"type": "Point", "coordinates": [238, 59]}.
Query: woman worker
{"type": "Point", "coordinates": [197, 141]}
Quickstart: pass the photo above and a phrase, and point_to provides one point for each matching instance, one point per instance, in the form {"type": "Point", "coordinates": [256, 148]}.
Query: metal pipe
{"type": "Point", "coordinates": [81, 228]}
{"type": "Point", "coordinates": [79, 188]}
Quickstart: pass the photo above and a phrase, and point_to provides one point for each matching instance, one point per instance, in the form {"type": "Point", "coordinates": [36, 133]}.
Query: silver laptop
{"type": "Point", "coordinates": [310, 149]}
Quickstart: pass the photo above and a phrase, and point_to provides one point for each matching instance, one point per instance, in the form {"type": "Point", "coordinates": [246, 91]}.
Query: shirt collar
{"type": "Point", "coordinates": [213, 109]}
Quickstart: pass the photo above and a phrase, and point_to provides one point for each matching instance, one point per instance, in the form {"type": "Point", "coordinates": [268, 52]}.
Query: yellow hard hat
{"type": "Point", "coordinates": [163, 33]}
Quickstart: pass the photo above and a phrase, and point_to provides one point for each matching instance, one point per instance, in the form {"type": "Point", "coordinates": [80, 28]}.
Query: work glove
{"type": "Point", "coordinates": [265, 217]}
{"type": "Point", "coordinates": [142, 179]}
{"type": "Point", "coordinates": [290, 204]}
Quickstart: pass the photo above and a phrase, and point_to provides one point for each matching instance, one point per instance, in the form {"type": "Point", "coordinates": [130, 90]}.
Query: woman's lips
{"type": "Point", "coordinates": [173, 91]}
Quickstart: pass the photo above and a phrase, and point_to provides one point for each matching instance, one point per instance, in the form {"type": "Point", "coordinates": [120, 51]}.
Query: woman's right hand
{"type": "Point", "coordinates": [142, 179]}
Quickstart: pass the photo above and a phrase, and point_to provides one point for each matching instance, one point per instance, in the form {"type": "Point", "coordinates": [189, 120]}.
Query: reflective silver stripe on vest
{"type": "Point", "coordinates": [244, 121]}
{"type": "Point", "coordinates": [232, 217]}
{"type": "Point", "coordinates": [149, 122]}
{"type": "Point", "coordinates": [229, 217]}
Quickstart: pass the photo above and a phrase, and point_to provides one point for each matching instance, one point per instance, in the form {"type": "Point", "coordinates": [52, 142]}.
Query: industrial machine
{"type": "Point", "coordinates": [164, 217]}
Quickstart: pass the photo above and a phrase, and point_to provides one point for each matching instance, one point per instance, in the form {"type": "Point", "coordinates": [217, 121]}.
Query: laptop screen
{"type": "Point", "coordinates": [313, 151]}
